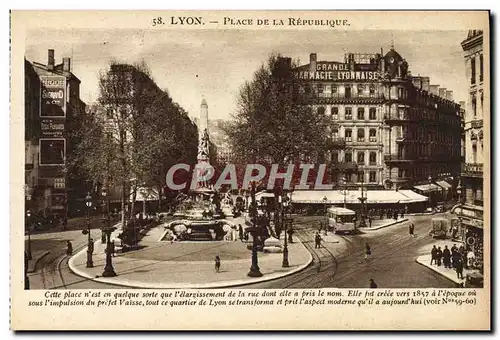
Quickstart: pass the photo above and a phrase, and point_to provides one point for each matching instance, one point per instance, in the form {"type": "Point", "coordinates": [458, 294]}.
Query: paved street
{"type": "Point", "coordinates": [337, 264]}
{"type": "Point", "coordinates": [392, 265]}
{"type": "Point", "coordinates": [52, 270]}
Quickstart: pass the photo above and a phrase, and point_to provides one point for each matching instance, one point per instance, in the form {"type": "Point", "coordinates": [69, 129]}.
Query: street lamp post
{"type": "Point", "coordinates": [254, 231]}
{"type": "Point", "coordinates": [326, 224]}
{"type": "Point", "coordinates": [284, 206]}
{"type": "Point", "coordinates": [90, 245]}
{"type": "Point", "coordinates": [362, 199]}
{"type": "Point", "coordinates": [28, 228]}
{"type": "Point", "coordinates": [344, 192]}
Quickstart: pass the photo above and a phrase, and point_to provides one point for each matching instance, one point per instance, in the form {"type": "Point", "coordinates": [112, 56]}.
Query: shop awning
{"type": "Point", "coordinates": [443, 184]}
{"type": "Point", "coordinates": [413, 196]}
{"type": "Point", "coordinates": [428, 187]}
{"type": "Point", "coordinates": [263, 194]}
{"type": "Point", "coordinates": [330, 197]}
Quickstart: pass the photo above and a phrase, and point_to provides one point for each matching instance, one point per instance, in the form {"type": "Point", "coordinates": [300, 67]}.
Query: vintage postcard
{"type": "Point", "coordinates": [218, 170]}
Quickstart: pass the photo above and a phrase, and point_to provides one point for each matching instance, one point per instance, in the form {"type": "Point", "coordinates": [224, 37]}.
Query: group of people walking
{"type": "Point", "coordinates": [454, 258]}
{"type": "Point", "coordinates": [388, 213]}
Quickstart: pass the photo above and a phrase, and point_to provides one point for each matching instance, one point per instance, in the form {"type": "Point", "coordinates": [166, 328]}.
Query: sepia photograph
{"type": "Point", "coordinates": [217, 155]}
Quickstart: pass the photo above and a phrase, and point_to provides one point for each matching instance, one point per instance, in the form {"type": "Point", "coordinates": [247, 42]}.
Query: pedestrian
{"type": "Point", "coordinates": [446, 257]}
{"type": "Point", "coordinates": [455, 255]}
{"type": "Point", "coordinates": [217, 264]}
{"type": "Point", "coordinates": [91, 246]}
{"type": "Point", "coordinates": [368, 251]}
{"type": "Point", "coordinates": [439, 255]}
{"type": "Point", "coordinates": [373, 284]}
{"type": "Point", "coordinates": [395, 214]}
{"type": "Point", "coordinates": [459, 267]}
{"type": "Point", "coordinates": [434, 255]}
{"type": "Point", "coordinates": [112, 247]}
{"type": "Point", "coordinates": [463, 255]}
{"type": "Point", "coordinates": [240, 231]}
{"type": "Point", "coordinates": [317, 240]}
{"type": "Point", "coordinates": [69, 248]}
{"type": "Point", "coordinates": [381, 214]}
{"type": "Point", "coordinates": [402, 213]}
{"type": "Point", "coordinates": [412, 229]}
{"type": "Point", "coordinates": [370, 221]}
{"type": "Point", "coordinates": [290, 234]}
{"type": "Point", "coordinates": [470, 258]}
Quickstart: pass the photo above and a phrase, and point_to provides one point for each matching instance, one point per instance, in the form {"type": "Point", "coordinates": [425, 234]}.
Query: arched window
{"type": "Point", "coordinates": [361, 135]}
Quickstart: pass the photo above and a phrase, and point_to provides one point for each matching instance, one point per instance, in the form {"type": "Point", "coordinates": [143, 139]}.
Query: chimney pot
{"type": "Point", "coordinates": [50, 62]}
{"type": "Point", "coordinates": [67, 64]}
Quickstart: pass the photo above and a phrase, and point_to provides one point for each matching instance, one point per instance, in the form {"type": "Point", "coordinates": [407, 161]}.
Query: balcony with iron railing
{"type": "Point", "coordinates": [396, 158]}
{"type": "Point", "coordinates": [343, 96]}
{"type": "Point", "coordinates": [336, 142]}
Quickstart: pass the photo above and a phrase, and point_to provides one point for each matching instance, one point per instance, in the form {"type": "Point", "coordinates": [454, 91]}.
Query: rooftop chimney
{"type": "Point", "coordinates": [449, 95]}
{"type": "Point", "coordinates": [426, 83]}
{"type": "Point", "coordinates": [442, 92]}
{"type": "Point", "coordinates": [50, 62]}
{"type": "Point", "coordinates": [434, 89]}
{"type": "Point", "coordinates": [313, 58]}
{"type": "Point", "coordinates": [67, 64]}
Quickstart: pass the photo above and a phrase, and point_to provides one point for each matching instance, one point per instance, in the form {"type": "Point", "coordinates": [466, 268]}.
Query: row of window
{"type": "Point", "coordinates": [399, 112]}
{"type": "Point", "coordinates": [372, 135]}
{"type": "Point", "coordinates": [419, 134]}
{"type": "Point", "coordinates": [372, 158]}
{"type": "Point", "coordinates": [372, 177]}
{"type": "Point", "coordinates": [372, 113]}
{"type": "Point", "coordinates": [334, 88]}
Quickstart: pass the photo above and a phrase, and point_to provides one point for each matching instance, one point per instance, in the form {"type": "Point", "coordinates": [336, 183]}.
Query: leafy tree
{"type": "Point", "coordinates": [133, 134]}
{"type": "Point", "coordinates": [270, 123]}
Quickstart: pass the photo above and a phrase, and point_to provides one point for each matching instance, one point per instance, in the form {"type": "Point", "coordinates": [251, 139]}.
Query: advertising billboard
{"type": "Point", "coordinates": [52, 96]}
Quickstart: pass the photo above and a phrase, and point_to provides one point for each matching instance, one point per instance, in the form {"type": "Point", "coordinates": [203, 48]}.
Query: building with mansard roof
{"type": "Point", "coordinates": [397, 134]}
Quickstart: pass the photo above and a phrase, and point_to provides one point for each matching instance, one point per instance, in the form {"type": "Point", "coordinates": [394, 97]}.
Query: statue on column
{"type": "Point", "coordinates": [203, 147]}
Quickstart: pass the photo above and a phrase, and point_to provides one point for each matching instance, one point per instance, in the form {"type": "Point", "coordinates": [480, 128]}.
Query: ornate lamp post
{"type": "Point", "coordinates": [284, 207]}
{"type": "Point", "coordinates": [28, 229]}
{"type": "Point", "coordinates": [90, 245]}
{"type": "Point", "coordinates": [109, 271]}
{"type": "Point", "coordinates": [344, 192]}
{"type": "Point", "coordinates": [26, 278]}
{"type": "Point", "coordinates": [254, 230]}
{"type": "Point", "coordinates": [362, 199]}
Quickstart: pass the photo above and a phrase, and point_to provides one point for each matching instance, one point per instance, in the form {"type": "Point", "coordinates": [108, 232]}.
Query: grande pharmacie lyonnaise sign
{"type": "Point", "coordinates": [52, 96]}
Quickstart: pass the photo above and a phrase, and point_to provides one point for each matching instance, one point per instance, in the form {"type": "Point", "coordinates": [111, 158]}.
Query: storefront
{"type": "Point", "coordinates": [471, 230]}
{"type": "Point", "coordinates": [432, 191]}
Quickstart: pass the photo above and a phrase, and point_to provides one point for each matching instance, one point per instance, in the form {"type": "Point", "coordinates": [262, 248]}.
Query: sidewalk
{"type": "Point", "coordinates": [450, 274]}
{"type": "Point", "coordinates": [379, 224]}
{"type": "Point", "coordinates": [188, 264]}
{"type": "Point", "coordinates": [35, 257]}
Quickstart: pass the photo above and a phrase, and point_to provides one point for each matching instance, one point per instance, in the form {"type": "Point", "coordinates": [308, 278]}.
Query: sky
{"type": "Point", "coordinates": [192, 64]}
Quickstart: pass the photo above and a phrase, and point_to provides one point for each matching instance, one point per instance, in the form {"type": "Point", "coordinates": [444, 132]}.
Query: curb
{"type": "Point", "coordinates": [32, 263]}
{"type": "Point", "coordinates": [221, 284]}
{"type": "Point", "coordinates": [387, 225]}
{"type": "Point", "coordinates": [436, 271]}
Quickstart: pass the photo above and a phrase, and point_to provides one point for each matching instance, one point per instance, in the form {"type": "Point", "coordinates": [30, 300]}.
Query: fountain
{"type": "Point", "coordinates": [203, 219]}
